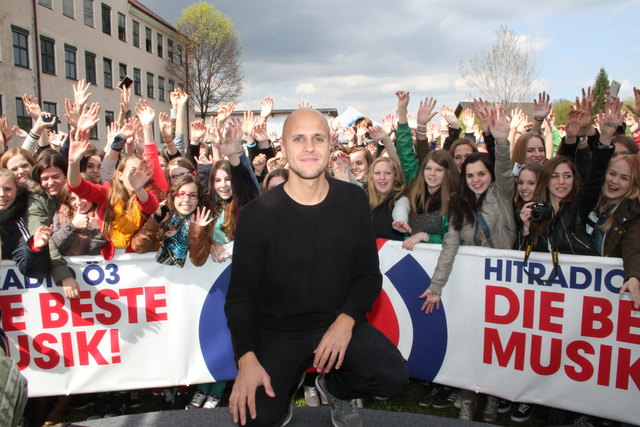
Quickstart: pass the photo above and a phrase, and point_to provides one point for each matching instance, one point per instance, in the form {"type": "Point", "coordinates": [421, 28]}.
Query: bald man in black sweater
{"type": "Point", "coordinates": [304, 274]}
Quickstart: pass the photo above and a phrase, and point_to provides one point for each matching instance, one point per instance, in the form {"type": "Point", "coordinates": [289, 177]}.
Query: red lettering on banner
{"type": "Point", "coordinates": [554, 356]}
{"type": "Point", "coordinates": [23, 348]}
{"type": "Point", "coordinates": [573, 353]}
{"type": "Point", "coordinates": [52, 309]}
{"type": "Point", "coordinates": [490, 316]}
{"type": "Point", "coordinates": [604, 365]}
{"type": "Point", "coordinates": [52, 356]}
{"type": "Point", "coordinates": [152, 304]}
{"type": "Point", "coordinates": [627, 319]}
{"type": "Point", "coordinates": [627, 369]}
{"type": "Point", "coordinates": [590, 317]}
{"type": "Point", "coordinates": [112, 309]}
{"type": "Point", "coordinates": [77, 308]}
{"type": "Point", "coordinates": [515, 346]}
{"type": "Point", "coordinates": [132, 294]}
{"type": "Point", "coordinates": [115, 345]}
{"type": "Point", "coordinates": [9, 313]}
{"type": "Point", "coordinates": [67, 349]}
{"type": "Point", "coordinates": [547, 311]}
{"type": "Point", "coordinates": [90, 348]}
{"type": "Point", "coordinates": [528, 308]}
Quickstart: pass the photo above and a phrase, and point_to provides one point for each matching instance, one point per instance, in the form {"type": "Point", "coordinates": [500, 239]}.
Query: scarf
{"type": "Point", "coordinates": [175, 241]}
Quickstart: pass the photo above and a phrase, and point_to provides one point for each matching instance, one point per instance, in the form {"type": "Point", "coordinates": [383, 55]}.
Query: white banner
{"type": "Point", "coordinates": [573, 344]}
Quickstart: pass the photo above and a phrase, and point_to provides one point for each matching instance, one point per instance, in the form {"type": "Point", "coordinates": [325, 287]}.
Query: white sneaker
{"type": "Point", "coordinates": [311, 396]}
{"type": "Point", "coordinates": [211, 402]}
{"type": "Point", "coordinates": [197, 400]}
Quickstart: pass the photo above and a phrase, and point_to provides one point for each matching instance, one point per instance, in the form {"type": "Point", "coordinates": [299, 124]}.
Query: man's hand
{"type": "Point", "coordinates": [333, 345]}
{"type": "Point", "coordinates": [251, 375]}
{"type": "Point", "coordinates": [266, 107]}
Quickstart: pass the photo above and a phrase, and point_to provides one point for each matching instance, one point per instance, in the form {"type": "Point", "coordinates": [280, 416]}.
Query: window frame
{"type": "Point", "coordinates": [148, 39]}
{"type": "Point", "coordinates": [73, 8]}
{"type": "Point", "coordinates": [72, 50]}
{"type": "Point", "coordinates": [92, 11]}
{"type": "Point", "coordinates": [137, 81]}
{"type": "Point", "coordinates": [107, 76]}
{"type": "Point", "coordinates": [22, 60]}
{"type": "Point", "coordinates": [47, 57]}
{"type": "Point", "coordinates": [122, 29]}
{"type": "Point", "coordinates": [150, 87]}
{"type": "Point", "coordinates": [106, 18]}
{"type": "Point", "coordinates": [90, 68]}
{"type": "Point", "coordinates": [23, 120]}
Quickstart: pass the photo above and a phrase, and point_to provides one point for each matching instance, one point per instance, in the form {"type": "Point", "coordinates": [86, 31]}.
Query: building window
{"type": "Point", "coordinates": [68, 8]}
{"type": "Point", "coordinates": [123, 71]}
{"type": "Point", "coordinates": [93, 133]}
{"type": "Point", "coordinates": [136, 34]}
{"type": "Point", "coordinates": [50, 107]}
{"type": "Point", "coordinates": [170, 50]}
{"type": "Point", "coordinates": [137, 85]}
{"type": "Point", "coordinates": [122, 29]}
{"type": "Point", "coordinates": [1, 105]}
{"type": "Point", "coordinates": [149, 85]}
{"type": "Point", "coordinates": [161, 88]}
{"type": "Point", "coordinates": [109, 117]}
{"type": "Point", "coordinates": [179, 55]}
{"type": "Point", "coordinates": [108, 74]}
{"type": "Point", "coordinates": [46, 3]}
{"type": "Point", "coordinates": [87, 8]}
{"type": "Point", "coordinates": [147, 35]}
{"type": "Point", "coordinates": [22, 118]}
{"type": "Point", "coordinates": [160, 45]}
{"type": "Point", "coordinates": [106, 19]}
{"type": "Point", "coordinates": [20, 46]}
{"type": "Point", "coordinates": [70, 62]}
{"type": "Point", "coordinates": [90, 67]}
{"type": "Point", "coordinates": [47, 55]}
{"type": "Point", "coordinates": [171, 85]}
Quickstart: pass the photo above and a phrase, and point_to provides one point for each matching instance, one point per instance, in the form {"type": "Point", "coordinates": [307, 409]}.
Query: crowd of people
{"type": "Point", "coordinates": [490, 178]}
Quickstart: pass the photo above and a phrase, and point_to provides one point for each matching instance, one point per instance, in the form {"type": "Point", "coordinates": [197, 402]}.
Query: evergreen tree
{"type": "Point", "coordinates": [600, 88]}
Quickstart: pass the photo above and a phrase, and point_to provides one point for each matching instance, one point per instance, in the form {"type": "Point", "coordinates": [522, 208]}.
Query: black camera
{"type": "Point", "coordinates": [541, 211]}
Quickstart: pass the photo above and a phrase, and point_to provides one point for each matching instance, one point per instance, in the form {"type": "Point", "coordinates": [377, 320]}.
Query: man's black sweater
{"type": "Point", "coordinates": [298, 267]}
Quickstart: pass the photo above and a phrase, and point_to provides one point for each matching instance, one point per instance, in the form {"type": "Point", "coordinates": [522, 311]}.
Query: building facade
{"type": "Point", "coordinates": [47, 45]}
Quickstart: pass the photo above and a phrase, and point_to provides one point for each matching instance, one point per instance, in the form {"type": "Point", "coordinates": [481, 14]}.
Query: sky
{"type": "Point", "coordinates": [337, 54]}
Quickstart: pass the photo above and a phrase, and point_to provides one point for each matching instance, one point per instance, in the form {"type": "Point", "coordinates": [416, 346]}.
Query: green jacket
{"type": "Point", "coordinates": [408, 158]}
{"type": "Point", "coordinates": [41, 208]}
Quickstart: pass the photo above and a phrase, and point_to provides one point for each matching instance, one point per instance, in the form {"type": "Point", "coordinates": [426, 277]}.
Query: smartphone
{"type": "Point", "coordinates": [126, 82]}
{"type": "Point", "coordinates": [614, 89]}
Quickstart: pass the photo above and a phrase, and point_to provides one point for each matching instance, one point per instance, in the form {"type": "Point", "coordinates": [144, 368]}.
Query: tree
{"type": "Point", "coordinates": [561, 109]}
{"type": "Point", "coordinates": [505, 73]}
{"type": "Point", "coordinates": [212, 69]}
{"type": "Point", "coordinates": [600, 88]}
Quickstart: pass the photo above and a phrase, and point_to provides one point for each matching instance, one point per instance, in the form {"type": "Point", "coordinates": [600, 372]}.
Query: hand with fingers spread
{"type": "Point", "coordinates": [139, 177]}
{"type": "Point", "coordinates": [635, 109]}
{"type": "Point", "coordinates": [610, 119]}
{"type": "Point", "coordinates": [517, 119]}
{"type": "Point", "coordinates": [248, 123]}
{"type": "Point", "coordinates": [431, 301]}
{"type": "Point", "coordinates": [304, 104]}
{"type": "Point", "coordinates": [426, 111]}
{"type": "Point", "coordinates": [202, 216]}
{"type": "Point", "coordinates": [78, 145]}
{"type": "Point", "coordinates": [388, 123]}
{"type": "Point", "coordinates": [81, 93]}
{"type": "Point", "coordinates": [483, 111]}
{"type": "Point", "coordinates": [447, 114]}
{"type": "Point", "coordinates": [231, 142]}
{"type": "Point", "coordinates": [266, 107]}
{"type": "Point", "coordinates": [179, 98]}
{"type": "Point", "coordinates": [376, 132]}
{"type": "Point", "coordinates": [499, 125]}
{"type": "Point", "coordinates": [332, 348]}
{"type": "Point", "coordinates": [164, 122]}
{"type": "Point", "coordinates": [145, 113]}
{"type": "Point", "coordinates": [468, 119]}
{"type": "Point", "coordinates": [31, 106]}
{"type": "Point", "coordinates": [89, 117]}
{"type": "Point", "coordinates": [71, 112]}
{"type": "Point", "coordinates": [572, 127]}
{"type": "Point", "coordinates": [260, 133]}
{"type": "Point", "coordinates": [251, 375]}
{"type": "Point", "coordinates": [224, 112]}
{"type": "Point", "coordinates": [125, 99]}
{"type": "Point", "coordinates": [198, 130]}
{"type": "Point", "coordinates": [541, 107]}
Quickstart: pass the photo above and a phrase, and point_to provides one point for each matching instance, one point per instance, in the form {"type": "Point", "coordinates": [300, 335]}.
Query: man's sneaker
{"type": "Point", "coordinates": [505, 406]}
{"type": "Point", "coordinates": [429, 394]}
{"type": "Point", "coordinates": [197, 400]}
{"type": "Point", "coordinates": [445, 398]}
{"type": "Point", "coordinates": [457, 399]}
{"type": "Point", "coordinates": [522, 413]}
{"type": "Point", "coordinates": [467, 409]}
{"type": "Point", "coordinates": [286, 419]}
{"type": "Point", "coordinates": [311, 396]}
{"type": "Point", "coordinates": [344, 413]}
{"type": "Point", "coordinates": [158, 401]}
{"type": "Point", "coordinates": [211, 402]}
{"type": "Point", "coordinates": [490, 413]}
{"type": "Point", "coordinates": [585, 420]}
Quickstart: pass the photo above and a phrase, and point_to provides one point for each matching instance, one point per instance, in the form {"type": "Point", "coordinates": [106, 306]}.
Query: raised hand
{"type": "Point", "coordinates": [31, 106]}
{"type": "Point", "coordinates": [145, 113]}
{"type": "Point", "coordinates": [572, 127]}
{"type": "Point", "coordinates": [610, 119]}
{"type": "Point", "coordinates": [517, 119]}
{"type": "Point", "coordinates": [450, 117]}
{"type": "Point", "coordinates": [635, 110]}
{"type": "Point", "coordinates": [377, 132]}
{"type": "Point", "coordinates": [89, 117]}
{"type": "Point", "coordinates": [468, 119]}
{"type": "Point", "coordinates": [164, 122]}
{"type": "Point", "coordinates": [202, 217]}
{"type": "Point", "coordinates": [266, 107]}
{"type": "Point", "coordinates": [81, 92]}
{"type": "Point", "coordinates": [198, 130]}
{"type": "Point", "coordinates": [260, 133]}
{"type": "Point", "coordinates": [78, 145]}
{"type": "Point", "coordinates": [125, 98]}
{"type": "Point", "coordinates": [140, 176]}
{"type": "Point", "coordinates": [248, 122]}
{"type": "Point", "coordinates": [403, 101]}
{"type": "Point", "coordinates": [541, 107]}
{"type": "Point", "coordinates": [388, 123]}
{"type": "Point", "coordinates": [71, 112]}
{"type": "Point", "coordinates": [426, 111]}
{"type": "Point", "coordinates": [499, 125]}
{"type": "Point", "coordinates": [224, 112]}
{"type": "Point", "coordinates": [178, 98]}
{"type": "Point", "coordinates": [231, 142]}
{"type": "Point", "coordinates": [259, 163]}
{"type": "Point", "coordinates": [304, 104]}
{"type": "Point", "coordinates": [128, 129]}
{"type": "Point", "coordinates": [361, 129]}
{"type": "Point", "coordinates": [483, 110]}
